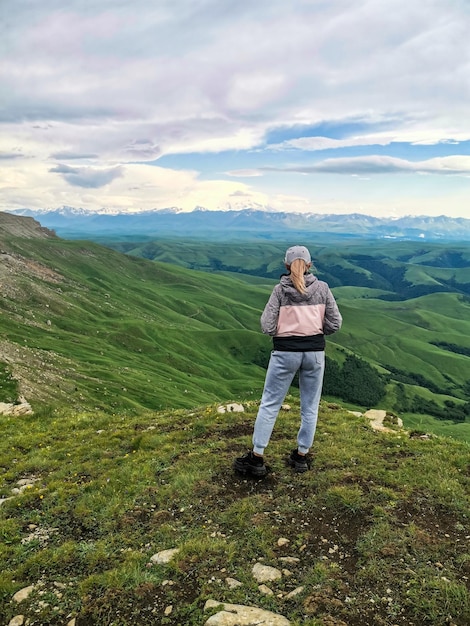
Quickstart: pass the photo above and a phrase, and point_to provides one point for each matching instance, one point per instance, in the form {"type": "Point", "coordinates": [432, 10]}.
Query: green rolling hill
{"type": "Point", "coordinates": [85, 324]}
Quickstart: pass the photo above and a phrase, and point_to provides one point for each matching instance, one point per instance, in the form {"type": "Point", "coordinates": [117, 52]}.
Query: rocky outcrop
{"type": "Point", "coordinates": [27, 227]}
{"type": "Point", "coordinates": [377, 417]}
{"type": "Point", "coordinates": [16, 409]}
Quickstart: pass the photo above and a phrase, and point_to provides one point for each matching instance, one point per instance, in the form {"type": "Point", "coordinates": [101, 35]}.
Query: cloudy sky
{"type": "Point", "coordinates": [325, 106]}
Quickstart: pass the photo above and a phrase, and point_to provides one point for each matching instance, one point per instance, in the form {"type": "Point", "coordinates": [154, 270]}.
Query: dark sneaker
{"type": "Point", "coordinates": [250, 464]}
{"type": "Point", "coordinates": [298, 462]}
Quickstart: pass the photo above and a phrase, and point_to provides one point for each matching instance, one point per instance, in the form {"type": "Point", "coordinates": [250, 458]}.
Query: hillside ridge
{"type": "Point", "coordinates": [25, 227]}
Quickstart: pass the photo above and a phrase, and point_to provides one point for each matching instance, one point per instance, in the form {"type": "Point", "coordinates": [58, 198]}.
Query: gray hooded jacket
{"type": "Point", "coordinates": [299, 322]}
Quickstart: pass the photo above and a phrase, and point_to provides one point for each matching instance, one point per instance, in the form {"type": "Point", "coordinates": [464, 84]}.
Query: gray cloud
{"type": "Point", "coordinates": [7, 156]}
{"type": "Point", "coordinates": [70, 156]}
{"type": "Point", "coordinates": [137, 61]}
{"type": "Point", "coordinates": [88, 177]}
{"type": "Point", "coordinates": [454, 165]}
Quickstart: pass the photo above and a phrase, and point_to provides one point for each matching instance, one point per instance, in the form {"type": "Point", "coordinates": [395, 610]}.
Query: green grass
{"type": "Point", "coordinates": [123, 332]}
{"type": "Point", "coordinates": [8, 385]}
{"type": "Point", "coordinates": [444, 428]}
{"type": "Point", "coordinates": [379, 525]}
{"type": "Point", "coordinates": [90, 327]}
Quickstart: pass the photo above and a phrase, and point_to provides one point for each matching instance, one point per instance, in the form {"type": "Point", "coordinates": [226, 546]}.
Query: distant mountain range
{"type": "Point", "coordinates": [251, 223]}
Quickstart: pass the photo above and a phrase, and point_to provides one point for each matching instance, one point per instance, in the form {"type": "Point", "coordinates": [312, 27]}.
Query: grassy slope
{"type": "Point", "coordinates": [135, 333]}
{"type": "Point", "coordinates": [386, 333]}
{"type": "Point", "coordinates": [380, 525]}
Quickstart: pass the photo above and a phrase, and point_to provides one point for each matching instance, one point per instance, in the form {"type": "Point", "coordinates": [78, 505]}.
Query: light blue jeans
{"type": "Point", "coordinates": [281, 370]}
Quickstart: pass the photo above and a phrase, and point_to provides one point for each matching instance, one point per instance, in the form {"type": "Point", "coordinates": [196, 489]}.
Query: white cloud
{"type": "Point", "coordinates": [245, 173]}
{"type": "Point", "coordinates": [89, 89]}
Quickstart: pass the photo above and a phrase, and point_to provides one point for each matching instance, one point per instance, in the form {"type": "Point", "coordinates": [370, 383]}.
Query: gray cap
{"type": "Point", "coordinates": [297, 252]}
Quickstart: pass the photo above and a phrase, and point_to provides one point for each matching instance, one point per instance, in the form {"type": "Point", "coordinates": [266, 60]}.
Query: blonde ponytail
{"type": "Point", "coordinates": [298, 267]}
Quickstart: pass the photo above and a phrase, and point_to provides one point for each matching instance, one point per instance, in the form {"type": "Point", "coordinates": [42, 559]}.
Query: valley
{"type": "Point", "coordinates": [175, 322]}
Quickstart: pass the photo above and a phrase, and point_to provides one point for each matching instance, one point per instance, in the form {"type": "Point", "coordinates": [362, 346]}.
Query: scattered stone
{"type": "Point", "coordinates": [290, 560]}
{"type": "Point", "coordinates": [60, 585]}
{"type": "Point", "coordinates": [294, 593]}
{"type": "Point", "coordinates": [169, 610]}
{"type": "Point", "coordinates": [72, 622]}
{"type": "Point", "coordinates": [231, 408]}
{"type": "Point", "coordinates": [266, 590]}
{"type": "Point", "coordinates": [23, 483]}
{"type": "Point", "coordinates": [286, 572]}
{"type": "Point", "coordinates": [265, 573]}
{"type": "Point", "coordinates": [233, 583]}
{"type": "Point", "coordinates": [283, 542]}
{"type": "Point", "coordinates": [286, 407]}
{"type": "Point", "coordinates": [239, 615]}
{"type": "Point", "coordinates": [356, 413]}
{"type": "Point", "coordinates": [24, 593]}
{"type": "Point", "coordinates": [164, 556]}
{"type": "Point", "coordinates": [18, 620]}
{"type": "Point", "coordinates": [41, 535]}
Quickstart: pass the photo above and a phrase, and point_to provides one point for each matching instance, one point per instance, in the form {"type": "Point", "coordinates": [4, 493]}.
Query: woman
{"type": "Point", "coordinates": [298, 315]}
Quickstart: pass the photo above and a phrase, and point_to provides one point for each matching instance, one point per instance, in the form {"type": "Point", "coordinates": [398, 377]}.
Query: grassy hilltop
{"type": "Point", "coordinates": [376, 534]}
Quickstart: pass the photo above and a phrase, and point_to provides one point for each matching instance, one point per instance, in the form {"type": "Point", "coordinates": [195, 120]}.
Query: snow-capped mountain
{"type": "Point", "coordinates": [261, 223]}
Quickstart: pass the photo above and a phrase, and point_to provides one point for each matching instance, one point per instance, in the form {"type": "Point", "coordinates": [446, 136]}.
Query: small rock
{"type": "Point", "coordinates": [294, 593]}
{"type": "Point", "coordinates": [72, 622]}
{"type": "Point", "coordinates": [266, 590]}
{"type": "Point", "coordinates": [290, 560]}
{"type": "Point", "coordinates": [18, 620]}
{"type": "Point", "coordinates": [286, 407]}
{"type": "Point", "coordinates": [231, 408]}
{"type": "Point", "coordinates": [60, 585]}
{"type": "Point", "coordinates": [164, 556]}
{"type": "Point", "coordinates": [22, 594]}
{"type": "Point", "coordinates": [265, 573]}
{"type": "Point", "coordinates": [169, 609]}
{"type": "Point", "coordinates": [282, 541]}
{"type": "Point", "coordinates": [233, 583]}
